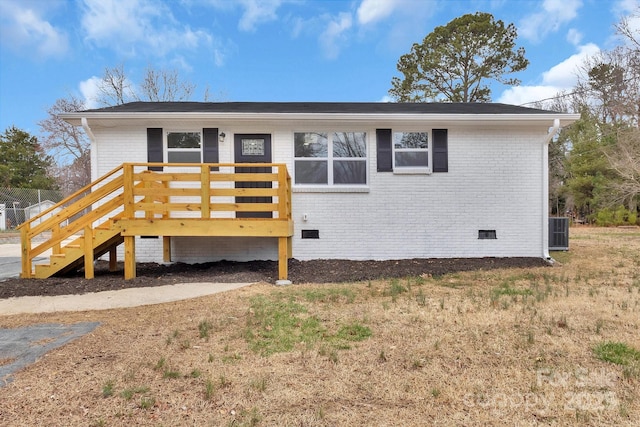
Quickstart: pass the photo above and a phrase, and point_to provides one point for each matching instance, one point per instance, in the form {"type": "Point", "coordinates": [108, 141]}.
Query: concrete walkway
{"type": "Point", "coordinates": [10, 266]}
{"type": "Point", "coordinates": [131, 297]}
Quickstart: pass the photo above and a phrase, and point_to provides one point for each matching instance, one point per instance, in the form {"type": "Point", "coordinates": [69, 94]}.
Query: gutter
{"type": "Point", "coordinates": [331, 117]}
{"type": "Point", "coordinates": [545, 189]}
{"type": "Point", "coordinates": [93, 151]}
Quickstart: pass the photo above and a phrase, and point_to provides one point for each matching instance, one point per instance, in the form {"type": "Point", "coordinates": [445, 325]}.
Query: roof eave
{"type": "Point", "coordinates": [565, 118]}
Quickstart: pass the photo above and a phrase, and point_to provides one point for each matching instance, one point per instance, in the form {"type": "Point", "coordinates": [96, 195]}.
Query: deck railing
{"type": "Point", "coordinates": [186, 199]}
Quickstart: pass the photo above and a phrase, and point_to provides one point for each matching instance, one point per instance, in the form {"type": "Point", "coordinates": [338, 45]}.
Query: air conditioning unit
{"type": "Point", "coordinates": [558, 234]}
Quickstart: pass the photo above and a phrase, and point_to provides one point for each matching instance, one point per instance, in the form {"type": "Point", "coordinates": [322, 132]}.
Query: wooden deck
{"type": "Point", "coordinates": [170, 200]}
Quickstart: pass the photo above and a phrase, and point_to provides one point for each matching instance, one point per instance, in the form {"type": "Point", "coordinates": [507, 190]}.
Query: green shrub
{"type": "Point", "coordinates": [613, 217]}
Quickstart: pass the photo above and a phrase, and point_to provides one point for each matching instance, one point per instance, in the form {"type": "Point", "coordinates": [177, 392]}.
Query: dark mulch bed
{"type": "Point", "coordinates": [316, 271]}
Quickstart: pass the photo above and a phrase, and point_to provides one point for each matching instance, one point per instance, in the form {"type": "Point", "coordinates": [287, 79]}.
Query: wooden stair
{"type": "Point", "coordinates": [72, 256]}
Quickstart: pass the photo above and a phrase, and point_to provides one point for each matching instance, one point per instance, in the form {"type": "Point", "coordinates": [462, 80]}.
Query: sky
{"type": "Point", "coordinates": [273, 50]}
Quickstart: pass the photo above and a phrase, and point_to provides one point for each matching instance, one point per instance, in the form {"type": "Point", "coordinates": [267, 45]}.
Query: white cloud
{"type": "Point", "coordinates": [565, 73]}
{"type": "Point", "coordinates": [257, 12]}
{"type": "Point", "coordinates": [404, 21]}
{"type": "Point", "coordinates": [560, 77]}
{"type": "Point", "coordinates": [90, 89]}
{"type": "Point", "coordinates": [23, 29]}
{"type": "Point", "coordinates": [574, 36]}
{"type": "Point", "coordinates": [333, 38]}
{"type": "Point", "coordinates": [138, 26]}
{"type": "Point", "coordinates": [371, 11]}
{"type": "Point", "coordinates": [626, 6]}
{"type": "Point", "coordinates": [254, 12]}
{"type": "Point", "coordinates": [519, 95]}
{"type": "Point", "coordinates": [554, 13]}
{"type": "Point", "coordinates": [629, 11]}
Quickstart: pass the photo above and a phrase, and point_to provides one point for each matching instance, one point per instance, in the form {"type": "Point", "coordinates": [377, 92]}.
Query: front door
{"type": "Point", "coordinates": [253, 148]}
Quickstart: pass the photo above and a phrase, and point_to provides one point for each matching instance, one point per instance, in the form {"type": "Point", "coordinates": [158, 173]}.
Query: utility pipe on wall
{"type": "Point", "coordinates": [93, 152]}
{"type": "Point", "coordinates": [545, 188]}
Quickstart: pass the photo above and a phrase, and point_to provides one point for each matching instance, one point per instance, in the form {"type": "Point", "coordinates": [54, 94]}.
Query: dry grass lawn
{"type": "Point", "coordinates": [505, 347]}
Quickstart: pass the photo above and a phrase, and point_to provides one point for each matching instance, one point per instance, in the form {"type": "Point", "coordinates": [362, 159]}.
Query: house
{"type": "Point", "coordinates": [369, 181]}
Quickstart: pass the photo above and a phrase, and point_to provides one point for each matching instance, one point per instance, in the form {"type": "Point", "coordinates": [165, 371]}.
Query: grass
{"type": "Point", "coordinates": [617, 352]}
{"type": "Point", "coordinates": [107, 389]}
{"type": "Point", "coordinates": [128, 393]}
{"type": "Point", "coordinates": [204, 328]}
{"type": "Point", "coordinates": [275, 326]}
{"type": "Point", "coordinates": [551, 345]}
{"type": "Point", "coordinates": [353, 332]}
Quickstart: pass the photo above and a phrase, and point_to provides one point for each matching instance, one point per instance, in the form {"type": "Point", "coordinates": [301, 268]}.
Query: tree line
{"type": "Point", "coordinates": [594, 163]}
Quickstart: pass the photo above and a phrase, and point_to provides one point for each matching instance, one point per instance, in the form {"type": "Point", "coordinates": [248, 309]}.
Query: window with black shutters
{"type": "Point", "coordinates": [412, 151]}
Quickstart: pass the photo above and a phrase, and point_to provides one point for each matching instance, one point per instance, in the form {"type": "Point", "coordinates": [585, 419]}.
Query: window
{"type": "Point", "coordinates": [330, 158]}
{"type": "Point", "coordinates": [184, 147]}
{"type": "Point", "coordinates": [411, 150]}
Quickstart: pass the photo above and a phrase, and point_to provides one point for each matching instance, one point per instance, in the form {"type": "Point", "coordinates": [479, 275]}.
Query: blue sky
{"type": "Point", "coordinates": [272, 50]}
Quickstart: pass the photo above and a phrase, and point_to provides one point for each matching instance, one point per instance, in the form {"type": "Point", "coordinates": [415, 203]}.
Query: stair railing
{"type": "Point", "coordinates": [53, 226]}
{"type": "Point", "coordinates": [135, 190]}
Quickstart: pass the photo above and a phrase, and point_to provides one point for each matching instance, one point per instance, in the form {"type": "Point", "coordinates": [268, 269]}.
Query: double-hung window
{"type": "Point", "coordinates": [411, 151]}
{"type": "Point", "coordinates": [184, 147]}
{"type": "Point", "coordinates": [330, 158]}
{"type": "Point", "coordinates": [419, 151]}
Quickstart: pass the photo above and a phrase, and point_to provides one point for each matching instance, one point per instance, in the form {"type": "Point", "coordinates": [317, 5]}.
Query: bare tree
{"type": "Point", "coordinates": [62, 139]}
{"type": "Point", "coordinates": [624, 159]}
{"type": "Point", "coordinates": [164, 85]}
{"type": "Point", "coordinates": [115, 88]}
{"type": "Point", "coordinates": [609, 85]}
{"type": "Point", "coordinates": [68, 144]}
{"type": "Point", "coordinates": [625, 29]}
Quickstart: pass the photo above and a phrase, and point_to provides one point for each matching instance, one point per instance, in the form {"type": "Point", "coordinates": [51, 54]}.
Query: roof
{"type": "Point", "coordinates": [160, 114]}
{"type": "Point", "coordinates": [319, 108]}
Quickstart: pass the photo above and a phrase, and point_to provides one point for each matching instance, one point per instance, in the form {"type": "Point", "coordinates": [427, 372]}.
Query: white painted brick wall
{"type": "Point", "coordinates": [494, 183]}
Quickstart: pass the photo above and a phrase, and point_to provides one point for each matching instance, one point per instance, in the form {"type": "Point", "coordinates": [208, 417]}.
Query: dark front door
{"type": "Point", "coordinates": [253, 148]}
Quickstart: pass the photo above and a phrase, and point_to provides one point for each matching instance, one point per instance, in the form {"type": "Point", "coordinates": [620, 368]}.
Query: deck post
{"type": "Point", "coordinates": [129, 257]}
{"type": "Point", "coordinates": [113, 259]}
{"type": "Point", "coordinates": [166, 248]}
{"type": "Point", "coordinates": [283, 261]}
{"type": "Point", "coordinates": [127, 192]}
{"type": "Point", "coordinates": [26, 249]}
{"type": "Point", "coordinates": [88, 252]}
{"type": "Point", "coordinates": [205, 192]}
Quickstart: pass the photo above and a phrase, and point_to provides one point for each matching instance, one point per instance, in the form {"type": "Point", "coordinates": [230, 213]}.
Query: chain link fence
{"type": "Point", "coordinates": [20, 204]}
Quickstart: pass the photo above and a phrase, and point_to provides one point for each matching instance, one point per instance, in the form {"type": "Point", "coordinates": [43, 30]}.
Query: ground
{"type": "Point", "coordinates": [534, 346]}
{"type": "Point", "coordinates": [317, 271]}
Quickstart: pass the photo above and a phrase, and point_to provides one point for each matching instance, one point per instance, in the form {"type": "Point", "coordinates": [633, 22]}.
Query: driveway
{"type": "Point", "coordinates": [20, 347]}
{"type": "Point", "coordinates": [10, 260]}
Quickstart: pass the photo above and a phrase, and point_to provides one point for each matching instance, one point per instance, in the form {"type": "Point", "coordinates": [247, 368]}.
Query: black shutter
{"type": "Point", "coordinates": [210, 146]}
{"type": "Point", "coordinates": [440, 155]}
{"type": "Point", "coordinates": [154, 147]}
{"type": "Point", "coordinates": [385, 153]}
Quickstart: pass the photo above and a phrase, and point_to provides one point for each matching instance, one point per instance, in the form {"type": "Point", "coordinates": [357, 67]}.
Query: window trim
{"type": "Point", "coordinates": [412, 170]}
{"type": "Point", "coordinates": [167, 150]}
{"type": "Point", "coordinates": [330, 159]}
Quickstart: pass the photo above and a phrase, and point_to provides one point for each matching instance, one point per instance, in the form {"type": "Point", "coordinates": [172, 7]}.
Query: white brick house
{"type": "Point", "coordinates": [370, 180]}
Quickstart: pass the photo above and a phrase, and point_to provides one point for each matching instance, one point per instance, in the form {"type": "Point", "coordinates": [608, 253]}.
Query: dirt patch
{"type": "Point", "coordinates": [316, 271]}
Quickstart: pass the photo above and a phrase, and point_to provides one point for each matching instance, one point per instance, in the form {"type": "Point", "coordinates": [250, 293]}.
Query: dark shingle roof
{"type": "Point", "coordinates": [319, 107]}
